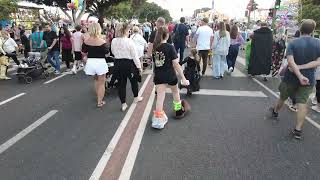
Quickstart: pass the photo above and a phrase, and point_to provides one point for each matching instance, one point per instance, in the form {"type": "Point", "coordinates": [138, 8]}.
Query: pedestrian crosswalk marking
{"type": "Point", "coordinates": [236, 93]}
{"type": "Point", "coordinates": [235, 73]}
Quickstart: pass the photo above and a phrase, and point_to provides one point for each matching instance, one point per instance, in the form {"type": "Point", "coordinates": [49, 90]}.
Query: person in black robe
{"type": "Point", "coordinates": [261, 51]}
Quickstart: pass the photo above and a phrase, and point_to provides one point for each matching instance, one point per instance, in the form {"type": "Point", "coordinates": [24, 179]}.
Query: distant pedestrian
{"type": "Point", "coordinates": [25, 42]}
{"type": "Point", "coordinates": [204, 42]}
{"type": "Point", "coordinates": [94, 51]}
{"type": "Point", "coordinates": [11, 48]}
{"type": "Point", "coordinates": [66, 47]}
{"type": "Point", "coordinates": [316, 100]}
{"type": "Point", "coordinates": [261, 51]}
{"type": "Point", "coordinates": [76, 46]}
{"type": "Point", "coordinates": [140, 43]}
{"type": "Point", "coordinates": [236, 41]}
{"type": "Point", "coordinates": [220, 49]}
{"type": "Point", "coordinates": [180, 34]}
{"type": "Point", "coordinates": [52, 41]}
{"type": "Point", "coordinates": [303, 56]}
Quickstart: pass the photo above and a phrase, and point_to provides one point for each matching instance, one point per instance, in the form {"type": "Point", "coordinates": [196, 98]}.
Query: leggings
{"type": "Point", "coordinates": [13, 56]}
{"type": "Point", "coordinates": [123, 68]}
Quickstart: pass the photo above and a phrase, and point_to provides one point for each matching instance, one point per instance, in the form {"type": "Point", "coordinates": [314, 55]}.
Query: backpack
{"type": "Point", "coordinates": [176, 34]}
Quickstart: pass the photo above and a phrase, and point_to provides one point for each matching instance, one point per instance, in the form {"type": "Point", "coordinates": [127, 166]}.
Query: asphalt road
{"type": "Point", "coordinates": [55, 132]}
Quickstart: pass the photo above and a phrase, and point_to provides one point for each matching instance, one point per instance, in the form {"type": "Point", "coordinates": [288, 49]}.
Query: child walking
{"type": "Point", "coordinates": [166, 65]}
{"type": "Point", "coordinates": [192, 70]}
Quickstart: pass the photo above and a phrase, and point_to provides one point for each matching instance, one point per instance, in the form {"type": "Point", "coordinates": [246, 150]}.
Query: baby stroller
{"type": "Point", "coordinates": [111, 81]}
{"type": "Point", "coordinates": [193, 75]}
{"type": "Point", "coordinates": [34, 70]}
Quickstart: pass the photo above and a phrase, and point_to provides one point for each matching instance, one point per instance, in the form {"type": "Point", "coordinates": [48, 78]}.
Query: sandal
{"type": "Point", "coordinates": [102, 103]}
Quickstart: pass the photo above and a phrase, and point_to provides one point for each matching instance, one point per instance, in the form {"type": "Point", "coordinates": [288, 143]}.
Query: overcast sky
{"type": "Point", "coordinates": [233, 8]}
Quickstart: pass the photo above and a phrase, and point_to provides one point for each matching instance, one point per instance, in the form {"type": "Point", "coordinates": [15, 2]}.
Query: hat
{"type": "Point", "coordinates": [206, 20]}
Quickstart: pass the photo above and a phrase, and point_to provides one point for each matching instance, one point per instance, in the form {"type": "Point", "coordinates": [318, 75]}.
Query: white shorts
{"type": "Point", "coordinates": [96, 66]}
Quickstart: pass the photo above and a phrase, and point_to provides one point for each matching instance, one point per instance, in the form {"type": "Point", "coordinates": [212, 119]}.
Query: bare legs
{"type": "Point", "coordinates": [100, 89]}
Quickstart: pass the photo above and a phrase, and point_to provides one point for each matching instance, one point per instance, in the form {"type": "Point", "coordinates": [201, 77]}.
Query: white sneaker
{"type": "Point", "coordinates": [74, 71]}
{"type": "Point", "coordinates": [159, 122]}
{"type": "Point", "coordinates": [124, 107]}
{"type": "Point", "coordinates": [230, 70]}
{"type": "Point", "coordinates": [68, 70]}
{"type": "Point", "coordinates": [56, 72]}
{"type": "Point", "coordinates": [138, 99]}
{"type": "Point", "coordinates": [21, 66]}
{"type": "Point", "coordinates": [316, 108]}
{"type": "Point", "coordinates": [314, 101]}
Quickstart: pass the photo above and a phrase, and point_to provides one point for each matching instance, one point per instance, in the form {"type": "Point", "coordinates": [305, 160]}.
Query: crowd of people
{"type": "Point", "coordinates": [216, 45]}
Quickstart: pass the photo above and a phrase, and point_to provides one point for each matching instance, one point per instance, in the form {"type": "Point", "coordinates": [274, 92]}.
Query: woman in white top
{"type": "Point", "coordinates": [140, 43]}
{"type": "Point", "coordinates": [220, 50]}
{"type": "Point", "coordinates": [94, 51]}
{"type": "Point", "coordinates": [11, 48]}
{"type": "Point", "coordinates": [127, 63]}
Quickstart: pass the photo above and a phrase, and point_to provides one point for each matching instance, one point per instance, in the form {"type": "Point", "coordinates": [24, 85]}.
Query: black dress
{"type": "Point", "coordinates": [191, 73]}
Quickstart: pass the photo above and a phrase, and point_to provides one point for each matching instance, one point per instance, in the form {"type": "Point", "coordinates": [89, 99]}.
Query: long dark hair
{"type": "Point", "coordinates": [67, 32]}
{"type": "Point", "coordinates": [234, 32]}
{"type": "Point", "coordinates": [162, 33]}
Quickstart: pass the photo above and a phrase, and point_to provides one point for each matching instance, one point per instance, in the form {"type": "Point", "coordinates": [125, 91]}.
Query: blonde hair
{"type": "Point", "coordinates": [94, 30]}
{"type": "Point", "coordinates": [136, 29]}
{"type": "Point", "coordinates": [121, 29]}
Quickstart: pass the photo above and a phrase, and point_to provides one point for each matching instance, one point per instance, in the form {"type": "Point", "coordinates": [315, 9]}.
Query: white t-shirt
{"type": "Point", "coordinates": [204, 34]}
{"type": "Point", "coordinates": [77, 41]}
{"type": "Point", "coordinates": [9, 45]}
{"type": "Point", "coordinates": [140, 43]}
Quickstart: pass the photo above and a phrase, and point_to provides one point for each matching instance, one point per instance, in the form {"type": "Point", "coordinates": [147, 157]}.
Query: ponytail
{"type": "Point", "coordinates": [161, 34]}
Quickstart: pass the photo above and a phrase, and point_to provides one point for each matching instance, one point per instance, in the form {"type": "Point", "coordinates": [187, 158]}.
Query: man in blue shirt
{"type": "Point", "coordinates": [303, 56]}
{"type": "Point", "coordinates": [179, 38]}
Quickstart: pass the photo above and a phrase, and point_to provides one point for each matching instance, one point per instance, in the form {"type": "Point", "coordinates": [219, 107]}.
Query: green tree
{"type": "Point", "coordinates": [7, 7]}
{"type": "Point", "coordinates": [310, 10]}
{"type": "Point", "coordinates": [93, 7]}
{"type": "Point", "coordinates": [151, 12]}
{"type": "Point", "coordinates": [122, 11]}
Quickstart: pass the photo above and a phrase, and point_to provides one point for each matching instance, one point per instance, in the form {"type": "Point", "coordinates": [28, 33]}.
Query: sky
{"type": "Point", "coordinates": [233, 8]}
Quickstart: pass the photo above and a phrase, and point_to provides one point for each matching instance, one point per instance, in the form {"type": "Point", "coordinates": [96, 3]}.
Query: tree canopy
{"type": "Point", "coordinates": [93, 7]}
{"type": "Point", "coordinates": [311, 10]}
{"type": "Point", "coordinates": [7, 7]}
{"type": "Point", "coordinates": [151, 11]}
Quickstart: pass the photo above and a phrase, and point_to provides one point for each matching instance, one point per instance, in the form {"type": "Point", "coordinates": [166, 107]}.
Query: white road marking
{"type": "Point", "coordinates": [56, 78]}
{"type": "Point", "coordinates": [213, 92]}
{"type": "Point", "coordinates": [132, 155]}
{"type": "Point", "coordinates": [242, 61]}
{"type": "Point", "coordinates": [12, 98]}
{"type": "Point", "coordinates": [115, 139]}
{"type": "Point", "coordinates": [236, 73]}
{"type": "Point", "coordinates": [61, 76]}
{"type": "Point", "coordinates": [26, 131]}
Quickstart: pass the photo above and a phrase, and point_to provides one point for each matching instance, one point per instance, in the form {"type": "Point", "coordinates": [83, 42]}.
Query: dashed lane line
{"type": "Point", "coordinates": [60, 76]}
{"type": "Point", "coordinates": [12, 98]}
{"type": "Point", "coordinates": [26, 131]}
{"type": "Point", "coordinates": [115, 139]}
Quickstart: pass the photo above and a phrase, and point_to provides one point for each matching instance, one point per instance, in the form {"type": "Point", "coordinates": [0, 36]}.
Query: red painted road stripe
{"type": "Point", "coordinates": [114, 166]}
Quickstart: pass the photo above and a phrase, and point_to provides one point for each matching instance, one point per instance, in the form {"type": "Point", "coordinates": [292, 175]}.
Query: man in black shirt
{"type": "Point", "coordinates": [159, 23]}
{"type": "Point", "coordinates": [180, 35]}
{"type": "Point", "coordinates": [51, 39]}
